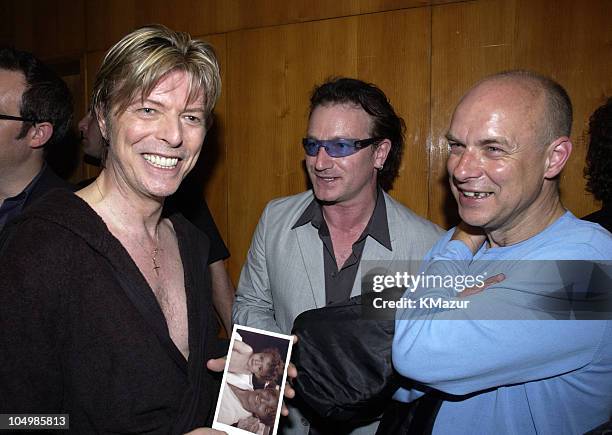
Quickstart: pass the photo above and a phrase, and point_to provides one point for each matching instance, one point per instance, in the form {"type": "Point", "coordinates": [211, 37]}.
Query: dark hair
{"type": "Point", "coordinates": [599, 155]}
{"type": "Point", "coordinates": [46, 97]}
{"type": "Point", "coordinates": [276, 365]}
{"type": "Point", "coordinates": [386, 123]}
{"type": "Point", "coordinates": [559, 112]}
{"type": "Point", "coordinates": [270, 416]}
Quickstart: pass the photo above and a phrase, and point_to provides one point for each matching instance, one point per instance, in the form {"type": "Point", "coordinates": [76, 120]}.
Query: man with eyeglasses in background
{"type": "Point", "coordinates": [307, 248]}
{"type": "Point", "coordinates": [35, 112]}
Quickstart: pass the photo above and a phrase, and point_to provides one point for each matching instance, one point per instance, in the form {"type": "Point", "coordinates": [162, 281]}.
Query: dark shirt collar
{"type": "Point", "coordinates": [25, 193]}
{"type": "Point", "coordinates": [377, 228]}
{"type": "Point", "coordinates": [13, 206]}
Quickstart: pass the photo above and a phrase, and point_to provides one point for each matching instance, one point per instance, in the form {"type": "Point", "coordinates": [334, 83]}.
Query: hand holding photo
{"type": "Point", "coordinates": [255, 373]}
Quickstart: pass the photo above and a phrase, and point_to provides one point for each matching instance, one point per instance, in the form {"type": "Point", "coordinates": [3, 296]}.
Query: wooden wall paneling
{"type": "Point", "coordinates": [67, 161]}
{"type": "Point", "coordinates": [213, 157]}
{"type": "Point", "coordinates": [50, 29]}
{"type": "Point", "coordinates": [271, 73]}
{"type": "Point", "coordinates": [469, 41]}
{"type": "Point", "coordinates": [69, 28]}
{"type": "Point", "coordinates": [107, 22]}
{"type": "Point", "coordinates": [394, 53]}
{"type": "Point", "coordinates": [92, 61]}
{"type": "Point", "coordinates": [571, 42]}
{"type": "Point", "coordinates": [110, 20]}
{"type": "Point", "coordinates": [263, 155]}
{"type": "Point", "coordinates": [193, 16]}
{"type": "Point", "coordinates": [22, 17]}
{"type": "Point", "coordinates": [475, 39]}
{"type": "Point", "coordinates": [245, 14]}
{"type": "Point", "coordinates": [7, 29]}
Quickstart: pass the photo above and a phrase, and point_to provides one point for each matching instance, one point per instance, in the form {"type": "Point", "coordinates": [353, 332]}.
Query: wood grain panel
{"type": "Point", "coordinates": [7, 29]}
{"type": "Point", "coordinates": [213, 158]}
{"type": "Point", "coordinates": [92, 64]}
{"type": "Point", "coordinates": [51, 29]}
{"type": "Point", "coordinates": [475, 39]}
{"type": "Point", "coordinates": [93, 60]}
{"type": "Point", "coordinates": [574, 46]}
{"type": "Point", "coordinates": [271, 73]}
{"type": "Point", "coordinates": [468, 43]}
{"type": "Point", "coordinates": [108, 21]}
{"type": "Point", "coordinates": [394, 54]}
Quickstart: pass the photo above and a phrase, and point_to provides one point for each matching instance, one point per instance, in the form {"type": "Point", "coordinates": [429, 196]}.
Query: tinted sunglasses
{"type": "Point", "coordinates": [337, 147]}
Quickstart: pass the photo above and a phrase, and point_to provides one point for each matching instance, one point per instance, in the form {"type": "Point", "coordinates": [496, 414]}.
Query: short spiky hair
{"type": "Point", "coordinates": [386, 123]}
{"type": "Point", "coordinates": [135, 64]}
{"type": "Point", "coordinates": [46, 96]}
{"type": "Point", "coordinates": [599, 156]}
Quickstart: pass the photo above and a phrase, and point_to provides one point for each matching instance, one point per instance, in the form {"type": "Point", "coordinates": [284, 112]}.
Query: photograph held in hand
{"type": "Point", "coordinates": [254, 378]}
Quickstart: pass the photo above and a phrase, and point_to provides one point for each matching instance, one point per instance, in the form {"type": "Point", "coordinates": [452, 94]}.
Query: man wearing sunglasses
{"type": "Point", "coordinates": [307, 249]}
{"type": "Point", "coordinates": [35, 112]}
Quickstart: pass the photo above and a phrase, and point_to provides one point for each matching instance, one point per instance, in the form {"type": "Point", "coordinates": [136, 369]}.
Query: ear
{"type": "Point", "coordinates": [381, 152]}
{"type": "Point", "coordinates": [39, 134]}
{"type": "Point", "coordinates": [558, 153]}
{"type": "Point", "coordinates": [102, 124]}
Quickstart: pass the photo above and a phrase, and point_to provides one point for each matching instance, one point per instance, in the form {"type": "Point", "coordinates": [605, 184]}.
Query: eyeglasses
{"type": "Point", "coordinates": [17, 118]}
{"type": "Point", "coordinates": [337, 147]}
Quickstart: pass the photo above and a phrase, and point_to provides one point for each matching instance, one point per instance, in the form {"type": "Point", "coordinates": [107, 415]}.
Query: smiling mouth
{"type": "Point", "coordinates": [477, 195]}
{"type": "Point", "coordinates": [160, 161]}
{"type": "Point", "coordinates": [327, 179]}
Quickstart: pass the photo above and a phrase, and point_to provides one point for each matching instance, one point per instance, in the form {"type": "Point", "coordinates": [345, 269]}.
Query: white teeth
{"type": "Point", "coordinates": [160, 161]}
{"type": "Point", "coordinates": [476, 194]}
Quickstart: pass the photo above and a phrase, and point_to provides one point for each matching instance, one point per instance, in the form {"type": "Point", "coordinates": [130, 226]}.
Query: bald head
{"type": "Point", "coordinates": [544, 103]}
{"type": "Point", "coordinates": [508, 142]}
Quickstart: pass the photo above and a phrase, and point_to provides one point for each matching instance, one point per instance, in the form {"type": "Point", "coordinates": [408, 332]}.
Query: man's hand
{"type": "Point", "coordinates": [473, 237]}
{"type": "Point", "coordinates": [291, 375]}
{"type": "Point", "coordinates": [469, 291]}
{"type": "Point", "coordinates": [216, 365]}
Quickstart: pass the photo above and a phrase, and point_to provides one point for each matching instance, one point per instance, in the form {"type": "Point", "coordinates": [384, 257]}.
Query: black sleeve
{"type": "Point", "coordinates": [198, 213]}
{"type": "Point", "coordinates": [203, 219]}
{"type": "Point", "coordinates": [30, 323]}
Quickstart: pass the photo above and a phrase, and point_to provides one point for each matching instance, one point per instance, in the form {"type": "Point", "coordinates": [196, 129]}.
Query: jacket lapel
{"type": "Point", "coordinates": [141, 296]}
{"type": "Point", "coordinates": [311, 250]}
{"type": "Point", "coordinates": [375, 256]}
{"type": "Point", "coordinates": [81, 219]}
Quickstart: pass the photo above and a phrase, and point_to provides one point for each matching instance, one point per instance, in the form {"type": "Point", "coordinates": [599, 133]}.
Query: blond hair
{"type": "Point", "coordinates": [135, 64]}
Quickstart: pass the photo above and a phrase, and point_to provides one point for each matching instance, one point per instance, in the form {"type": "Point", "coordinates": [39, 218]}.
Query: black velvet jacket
{"type": "Point", "coordinates": [82, 333]}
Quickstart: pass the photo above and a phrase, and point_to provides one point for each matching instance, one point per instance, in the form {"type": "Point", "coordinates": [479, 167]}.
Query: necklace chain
{"type": "Point", "coordinates": [156, 250]}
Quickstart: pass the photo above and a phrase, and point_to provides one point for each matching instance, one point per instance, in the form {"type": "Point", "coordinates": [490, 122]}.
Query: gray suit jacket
{"type": "Point", "coordinates": [284, 274]}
